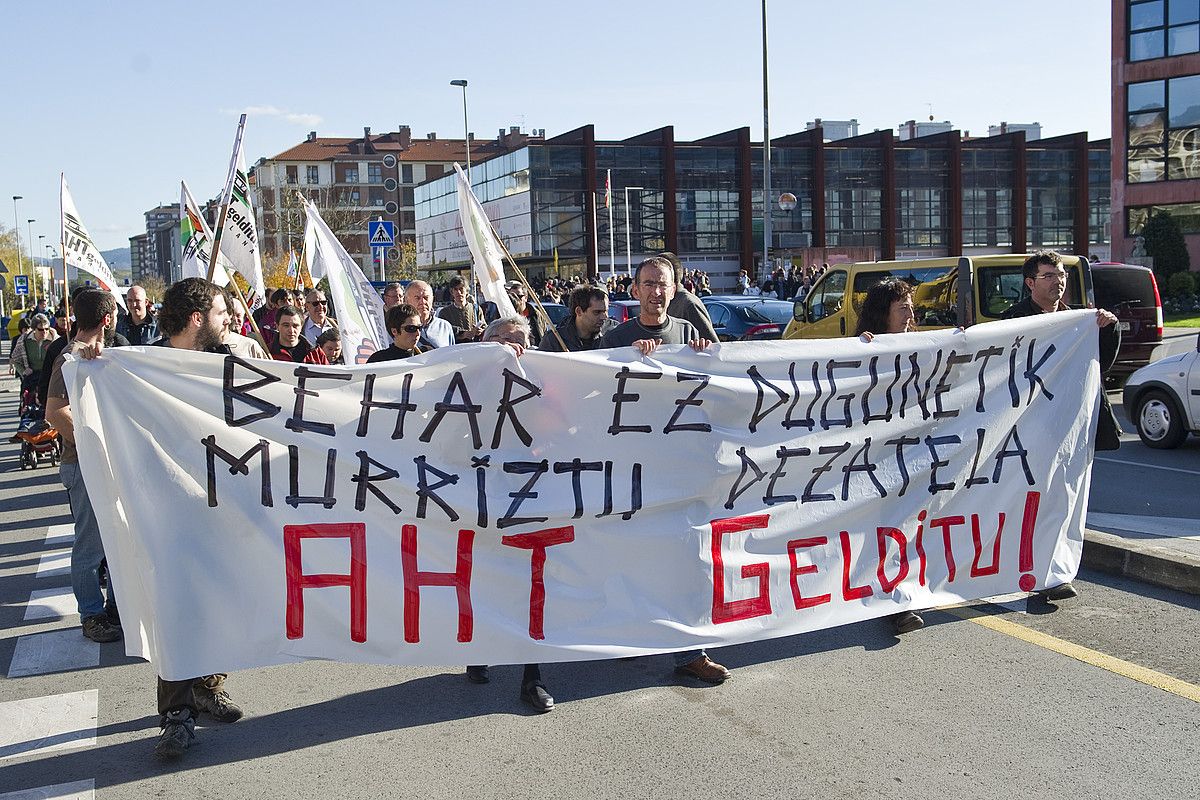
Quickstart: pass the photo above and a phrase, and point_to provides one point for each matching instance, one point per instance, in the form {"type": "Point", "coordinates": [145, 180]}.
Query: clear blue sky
{"type": "Point", "coordinates": [130, 97]}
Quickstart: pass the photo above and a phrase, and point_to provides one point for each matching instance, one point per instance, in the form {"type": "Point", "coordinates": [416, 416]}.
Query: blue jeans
{"type": "Point", "coordinates": [687, 657]}
{"type": "Point", "coordinates": [88, 550]}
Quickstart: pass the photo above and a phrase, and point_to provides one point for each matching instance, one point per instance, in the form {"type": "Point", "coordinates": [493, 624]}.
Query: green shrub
{"type": "Point", "coordinates": [1181, 284]}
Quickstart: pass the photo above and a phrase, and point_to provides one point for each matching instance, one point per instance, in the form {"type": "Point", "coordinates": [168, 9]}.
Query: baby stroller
{"type": "Point", "coordinates": [38, 438]}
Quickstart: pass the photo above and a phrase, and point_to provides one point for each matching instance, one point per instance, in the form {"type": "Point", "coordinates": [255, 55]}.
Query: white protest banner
{"type": "Point", "coordinates": [195, 241]}
{"type": "Point", "coordinates": [486, 253]}
{"type": "Point", "coordinates": [78, 249]}
{"type": "Point", "coordinates": [469, 507]}
{"type": "Point", "coordinates": [358, 306]}
{"type": "Point", "coordinates": [238, 237]}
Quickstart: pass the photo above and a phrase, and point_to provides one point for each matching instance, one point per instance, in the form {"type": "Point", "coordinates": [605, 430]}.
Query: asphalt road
{"type": "Point", "coordinates": [974, 709]}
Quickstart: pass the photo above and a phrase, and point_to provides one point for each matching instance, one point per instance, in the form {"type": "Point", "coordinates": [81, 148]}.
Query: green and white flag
{"type": "Point", "coordinates": [195, 239]}
{"type": "Point", "coordinates": [486, 252]}
{"type": "Point", "coordinates": [238, 237]}
{"type": "Point", "coordinates": [78, 248]}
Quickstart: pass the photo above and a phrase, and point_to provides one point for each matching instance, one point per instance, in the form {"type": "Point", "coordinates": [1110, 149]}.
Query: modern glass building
{"type": "Point", "coordinates": [1155, 160]}
{"type": "Point", "coordinates": [866, 197]}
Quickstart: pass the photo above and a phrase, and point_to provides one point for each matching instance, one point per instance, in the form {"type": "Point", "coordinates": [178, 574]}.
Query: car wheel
{"type": "Point", "coordinates": [1159, 423]}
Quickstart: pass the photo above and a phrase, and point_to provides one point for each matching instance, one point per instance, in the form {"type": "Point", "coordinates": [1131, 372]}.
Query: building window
{"type": "Point", "coordinates": [406, 175]}
{"type": "Point", "coordinates": [1186, 214]}
{"type": "Point", "coordinates": [347, 173]}
{"type": "Point", "coordinates": [1163, 130]}
{"type": "Point", "coordinates": [310, 175]}
{"type": "Point", "coordinates": [375, 173]}
{"type": "Point", "coordinates": [1162, 28]}
{"type": "Point", "coordinates": [375, 196]}
{"type": "Point", "coordinates": [292, 177]}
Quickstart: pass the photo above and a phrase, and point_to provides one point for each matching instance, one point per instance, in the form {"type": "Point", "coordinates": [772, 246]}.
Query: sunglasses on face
{"type": "Point", "coordinates": [319, 303]}
{"type": "Point", "coordinates": [410, 328]}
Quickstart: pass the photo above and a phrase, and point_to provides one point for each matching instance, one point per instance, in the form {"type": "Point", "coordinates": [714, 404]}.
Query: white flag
{"type": "Point", "coordinates": [195, 239]}
{"type": "Point", "coordinates": [78, 249]}
{"type": "Point", "coordinates": [485, 250]}
{"type": "Point", "coordinates": [358, 307]}
{"type": "Point", "coordinates": [238, 237]}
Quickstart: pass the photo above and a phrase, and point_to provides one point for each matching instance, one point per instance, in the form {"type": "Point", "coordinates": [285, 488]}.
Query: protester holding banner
{"type": "Point", "coordinates": [888, 308]}
{"type": "Point", "coordinates": [686, 305]}
{"type": "Point", "coordinates": [95, 312]}
{"type": "Point", "coordinates": [193, 317]}
{"type": "Point", "coordinates": [290, 344]}
{"type": "Point", "coordinates": [404, 323]}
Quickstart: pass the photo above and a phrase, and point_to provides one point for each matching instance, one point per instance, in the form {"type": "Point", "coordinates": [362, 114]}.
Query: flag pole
{"type": "Point", "coordinates": [225, 200]}
{"type": "Point", "coordinates": [612, 252]}
{"type": "Point", "coordinates": [537, 303]}
{"type": "Point", "coordinates": [303, 251]}
{"type": "Point", "coordinates": [62, 232]}
{"type": "Point", "coordinates": [238, 291]}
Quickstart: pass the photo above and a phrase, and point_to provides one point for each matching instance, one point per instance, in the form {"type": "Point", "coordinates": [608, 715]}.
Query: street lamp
{"type": "Point", "coordinates": [466, 129]}
{"type": "Point", "coordinates": [766, 149]}
{"type": "Point", "coordinates": [17, 230]}
{"type": "Point", "coordinates": [628, 233]}
{"type": "Point", "coordinates": [32, 260]}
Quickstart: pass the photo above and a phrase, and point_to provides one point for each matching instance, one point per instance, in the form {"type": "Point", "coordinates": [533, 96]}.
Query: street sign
{"type": "Point", "coordinates": [381, 233]}
{"type": "Point", "coordinates": [377, 253]}
{"type": "Point", "coordinates": [21, 284]}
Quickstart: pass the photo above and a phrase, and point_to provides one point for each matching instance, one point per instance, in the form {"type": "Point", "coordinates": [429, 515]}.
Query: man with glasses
{"type": "Point", "coordinates": [1047, 283]}
{"type": "Point", "coordinates": [139, 325]}
{"type": "Point", "coordinates": [318, 320]}
{"type": "Point", "coordinates": [392, 294]}
{"type": "Point", "coordinates": [654, 286]}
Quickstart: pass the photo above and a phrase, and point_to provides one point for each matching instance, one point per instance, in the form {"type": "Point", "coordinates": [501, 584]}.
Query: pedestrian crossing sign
{"type": "Point", "coordinates": [382, 233]}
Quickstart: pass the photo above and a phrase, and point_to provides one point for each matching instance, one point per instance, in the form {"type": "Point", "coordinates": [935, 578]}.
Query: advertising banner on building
{"type": "Point", "coordinates": [467, 506]}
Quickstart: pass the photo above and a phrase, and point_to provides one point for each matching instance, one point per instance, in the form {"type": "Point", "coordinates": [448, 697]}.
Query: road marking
{"type": "Point", "coordinates": [1147, 466]}
{"type": "Point", "coordinates": [1112, 664]}
{"type": "Point", "coordinates": [1174, 527]}
{"type": "Point", "coordinates": [55, 563]}
{"type": "Point", "coordinates": [76, 790]}
{"type": "Point", "coordinates": [58, 535]}
{"type": "Point", "coordinates": [1017, 602]}
{"type": "Point", "coordinates": [56, 603]}
{"type": "Point", "coordinates": [53, 651]}
{"type": "Point", "coordinates": [44, 724]}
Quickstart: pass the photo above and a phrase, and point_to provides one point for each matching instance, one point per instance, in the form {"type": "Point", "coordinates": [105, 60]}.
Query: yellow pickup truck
{"type": "Point", "coordinates": [947, 292]}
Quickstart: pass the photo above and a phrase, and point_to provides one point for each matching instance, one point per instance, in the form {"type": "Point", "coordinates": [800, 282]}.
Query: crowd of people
{"type": "Point", "coordinates": [297, 327]}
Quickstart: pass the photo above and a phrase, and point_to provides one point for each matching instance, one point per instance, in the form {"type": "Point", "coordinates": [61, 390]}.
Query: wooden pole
{"type": "Point", "coordinates": [216, 245]}
{"type": "Point", "coordinates": [537, 302]}
{"type": "Point", "coordinates": [238, 291]}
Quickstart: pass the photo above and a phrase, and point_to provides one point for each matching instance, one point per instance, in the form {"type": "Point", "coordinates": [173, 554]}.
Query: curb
{"type": "Point", "coordinates": [1149, 563]}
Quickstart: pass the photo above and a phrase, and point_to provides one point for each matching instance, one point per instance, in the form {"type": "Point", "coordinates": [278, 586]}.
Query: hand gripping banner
{"type": "Point", "coordinates": [468, 507]}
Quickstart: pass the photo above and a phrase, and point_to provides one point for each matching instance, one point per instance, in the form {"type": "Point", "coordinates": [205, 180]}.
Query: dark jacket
{"type": "Point", "coordinates": [54, 350]}
{"type": "Point", "coordinates": [570, 335]}
{"type": "Point", "coordinates": [1108, 430]}
{"type": "Point", "coordinates": [302, 353]}
{"type": "Point", "coordinates": [686, 305]}
{"type": "Point", "coordinates": [142, 334]}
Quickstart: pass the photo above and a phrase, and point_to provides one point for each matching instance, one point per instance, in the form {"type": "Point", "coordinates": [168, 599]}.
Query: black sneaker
{"type": "Point", "coordinates": [217, 704]}
{"type": "Point", "coordinates": [478, 674]}
{"type": "Point", "coordinates": [99, 629]}
{"type": "Point", "coordinates": [178, 730]}
{"type": "Point", "coordinates": [907, 622]}
{"type": "Point", "coordinates": [535, 694]}
{"type": "Point", "coordinates": [1063, 591]}
{"type": "Point", "coordinates": [114, 616]}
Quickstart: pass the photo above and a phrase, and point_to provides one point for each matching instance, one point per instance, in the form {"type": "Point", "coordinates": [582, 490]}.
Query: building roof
{"type": "Point", "coordinates": [329, 148]}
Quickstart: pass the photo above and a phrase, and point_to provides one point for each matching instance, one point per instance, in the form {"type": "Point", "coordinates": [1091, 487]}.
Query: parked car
{"type": "Point", "coordinates": [1163, 399]}
{"type": "Point", "coordinates": [624, 310]}
{"type": "Point", "coordinates": [737, 318]}
{"type": "Point", "coordinates": [557, 312]}
{"type": "Point", "coordinates": [1131, 293]}
{"type": "Point", "coordinates": [947, 292]}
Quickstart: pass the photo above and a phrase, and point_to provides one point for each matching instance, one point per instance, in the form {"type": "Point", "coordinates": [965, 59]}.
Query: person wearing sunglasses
{"type": "Point", "coordinates": [318, 320]}
{"type": "Point", "coordinates": [404, 324]}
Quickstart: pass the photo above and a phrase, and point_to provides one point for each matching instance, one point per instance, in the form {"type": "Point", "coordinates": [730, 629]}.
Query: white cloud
{"type": "Point", "coordinates": [296, 118]}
